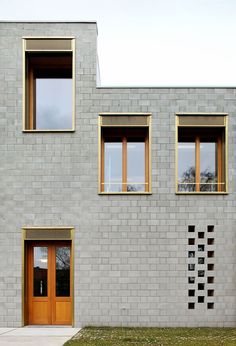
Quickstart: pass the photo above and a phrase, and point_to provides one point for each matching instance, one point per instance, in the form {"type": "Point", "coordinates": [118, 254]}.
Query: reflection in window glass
{"type": "Point", "coordinates": [135, 166]}
{"type": "Point", "coordinates": [113, 167]}
{"type": "Point", "coordinates": [208, 170]}
{"type": "Point", "coordinates": [40, 271]}
{"type": "Point", "coordinates": [53, 103]}
{"type": "Point", "coordinates": [62, 272]}
{"type": "Point", "coordinates": [186, 166]}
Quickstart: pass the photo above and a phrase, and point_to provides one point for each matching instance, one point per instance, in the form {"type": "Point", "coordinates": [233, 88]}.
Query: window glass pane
{"type": "Point", "coordinates": [208, 169]}
{"type": "Point", "coordinates": [186, 166]}
{"type": "Point", "coordinates": [40, 271]}
{"type": "Point", "coordinates": [136, 166]}
{"type": "Point", "coordinates": [53, 103]}
{"type": "Point", "coordinates": [62, 271]}
{"type": "Point", "coordinates": [113, 167]}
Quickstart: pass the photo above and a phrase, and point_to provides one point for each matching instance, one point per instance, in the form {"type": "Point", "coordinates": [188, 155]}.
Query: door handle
{"type": "Point", "coordinates": [41, 287]}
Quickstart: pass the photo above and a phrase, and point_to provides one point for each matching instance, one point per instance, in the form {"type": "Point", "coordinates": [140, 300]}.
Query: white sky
{"type": "Point", "coordinates": [150, 42]}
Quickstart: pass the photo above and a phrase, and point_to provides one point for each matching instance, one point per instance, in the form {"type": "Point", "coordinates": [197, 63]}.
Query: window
{"type": "Point", "coordinates": [48, 84]}
{"type": "Point", "coordinates": [201, 153]}
{"type": "Point", "coordinates": [124, 152]}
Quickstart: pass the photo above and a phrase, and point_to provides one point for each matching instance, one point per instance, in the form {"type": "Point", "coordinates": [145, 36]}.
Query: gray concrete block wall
{"type": "Point", "coordinates": [130, 251]}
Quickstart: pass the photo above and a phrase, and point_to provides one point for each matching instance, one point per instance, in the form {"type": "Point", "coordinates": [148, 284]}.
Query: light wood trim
{"type": "Point", "coordinates": [146, 164]}
{"type": "Point", "coordinates": [103, 164]}
{"type": "Point", "coordinates": [31, 99]}
{"type": "Point", "coordinates": [197, 163]}
{"type": "Point", "coordinates": [219, 163]}
{"type": "Point", "coordinates": [124, 164]}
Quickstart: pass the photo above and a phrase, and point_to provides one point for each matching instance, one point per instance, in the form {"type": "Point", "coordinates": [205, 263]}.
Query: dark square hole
{"type": "Point", "coordinates": [201, 286]}
{"type": "Point", "coordinates": [200, 235]}
{"type": "Point", "coordinates": [191, 254]}
{"type": "Point", "coordinates": [201, 247]}
{"type": "Point", "coordinates": [210, 305]}
{"type": "Point", "coordinates": [210, 253]}
{"type": "Point", "coordinates": [191, 280]}
{"type": "Point", "coordinates": [191, 293]}
{"type": "Point", "coordinates": [201, 260]}
{"type": "Point", "coordinates": [200, 299]}
{"type": "Point", "coordinates": [191, 241]}
{"type": "Point", "coordinates": [210, 241]}
{"type": "Point", "coordinates": [210, 293]}
{"type": "Point", "coordinates": [201, 273]}
{"type": "Point", "coordinates": [191, 305]}
{"type": "Point", "coordinates": [210, 228]}
{"type": "Point", "coordinates": [191, 266]}
{"type": "Point", "coordinates": [210, 266]}
{"type": "Point", "coordinates": [191, 228]}
{"type": "Point", "coordinates": [210, 279]}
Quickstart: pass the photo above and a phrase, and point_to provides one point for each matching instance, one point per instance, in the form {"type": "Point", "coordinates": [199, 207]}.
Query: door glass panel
{"type": "Point", "coordinates": [135, 166]}
{"type": "Point", "coordinates": [113, 167]}
{"type": "Point", "coordinates": [40, 271]}
{"type": "Point", "coordinates": [208, 152]}
{"type": "Point", "coordinates": [186, 166]}
{"type": "Point", "coordinates": [62, 272]}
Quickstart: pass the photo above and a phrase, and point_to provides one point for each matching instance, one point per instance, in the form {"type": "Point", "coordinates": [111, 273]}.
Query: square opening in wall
{"type": "Point", "coordinates": [201, 273]}
{"type": "Point", "coordinates": [191, 254]}
{"type": "Point", "coordinates": [201, 286]}
{"type": "Point", "coordinates": [210, 305]}
{"type": "Point", "coordinates": [191, 306]}
{"type": "Point", "coordinates": [191, 266]}
{"type": "Point", "coordinates": [200, 235]}
{"type": "Point", "coordinates": [191, 228]}
{"type": "Point", "coordinates": [210, 266]}
{"type": "Point", "coordinates": [201, 247]}
{"type": "Point", "coordinates": [210, 279]}
{"type": "Point", "coordinates": [210, 293]}
{"type": "Point", "coordinates": [191, 241]}
{"type": "Point", "coordinates": [210, 241]}
{"type": "Point", "coordinates": [210, 228]}
{"type": "Point", "coordinates": [191, 280]}
{"type": "Point", "coordinates": [191, 293]}
{"type": "Point", "coordinates": [201, 260]}
{"type": "Point", "coordinates": [200, 299]}
{"type": "Point", "coordinates": [210, 254]}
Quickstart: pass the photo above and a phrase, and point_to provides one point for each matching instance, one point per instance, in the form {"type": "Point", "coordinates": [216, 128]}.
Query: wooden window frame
{"type": "Point", "coordinates": [197, 154]}
{"type": "Point", "coordinates": [124, 140]}
{"type": "Point", "coordinates": [29, 117]}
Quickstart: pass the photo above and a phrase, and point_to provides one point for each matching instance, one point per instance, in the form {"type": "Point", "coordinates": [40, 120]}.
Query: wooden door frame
{"type": "Point", "coordinates": [25, 241]}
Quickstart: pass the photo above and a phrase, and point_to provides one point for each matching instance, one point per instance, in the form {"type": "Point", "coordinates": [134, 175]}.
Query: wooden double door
{"type": "Point", "coordinates": [49, 283]}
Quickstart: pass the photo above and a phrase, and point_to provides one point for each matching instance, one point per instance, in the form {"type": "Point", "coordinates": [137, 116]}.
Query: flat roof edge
{"type": "Point", "coordinates": [49, 21]}
{"type": "Point", "coordinates": [167, 87]}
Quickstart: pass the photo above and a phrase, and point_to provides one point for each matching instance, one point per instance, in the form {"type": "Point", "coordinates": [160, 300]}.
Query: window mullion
{"type": "Point", "coordinates": [197, 163]}
{"type": "Point", "coordinates": [124, 164]}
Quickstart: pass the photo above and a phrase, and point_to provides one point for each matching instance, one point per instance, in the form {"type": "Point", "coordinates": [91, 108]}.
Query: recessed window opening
{"type": "Point", "coordinates": [124, 152]}
{"type": "Point", "coordinates": [201, 154]}
{"type": "Point", "coordinates": [48, 85]}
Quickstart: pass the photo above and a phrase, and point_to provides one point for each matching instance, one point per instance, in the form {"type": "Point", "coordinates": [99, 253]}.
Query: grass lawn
{"type": "Point", "coordinates": [105, 336]}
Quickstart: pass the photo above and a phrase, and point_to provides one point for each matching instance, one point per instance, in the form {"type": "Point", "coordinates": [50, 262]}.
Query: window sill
{"type": "Point", "coordinates": [124, 193]}
{"type": "Point", "coordinates": [38, 131]}
{"type": "Point", "coordinates": [201, 193]}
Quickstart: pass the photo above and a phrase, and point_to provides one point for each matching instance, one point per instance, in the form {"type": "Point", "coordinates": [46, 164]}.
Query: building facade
{"type": "Point", "coordinates": [117, 204]}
